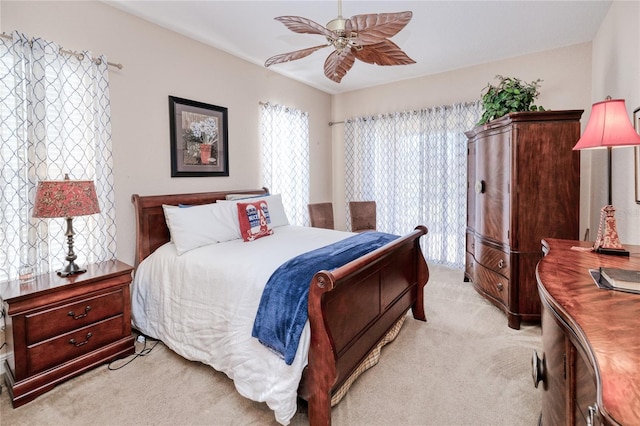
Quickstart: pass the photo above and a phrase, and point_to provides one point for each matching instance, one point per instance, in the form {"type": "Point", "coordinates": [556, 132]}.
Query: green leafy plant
{"type": "Point", "coordinates": [510, 95]}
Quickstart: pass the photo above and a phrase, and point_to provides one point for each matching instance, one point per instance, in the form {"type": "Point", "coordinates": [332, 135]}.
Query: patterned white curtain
{"type": "Point", "coordinates": [285, 158]}
{"type": "Point", "coordinates": [54, 119]}
{"type": "Point", "coordinates": [414, 165]}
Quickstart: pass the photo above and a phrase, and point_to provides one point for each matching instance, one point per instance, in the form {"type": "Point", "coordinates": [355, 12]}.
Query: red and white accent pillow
{"type": "Point", "coordinates": [254, 219]}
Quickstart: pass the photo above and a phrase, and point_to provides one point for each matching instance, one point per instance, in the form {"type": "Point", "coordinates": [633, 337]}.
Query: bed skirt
{"type": "Point", "coordinates": [369, 361]}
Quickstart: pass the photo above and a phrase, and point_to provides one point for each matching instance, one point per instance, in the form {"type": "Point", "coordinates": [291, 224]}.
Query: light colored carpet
{"type": "Point", "coordinates": [463, 367]}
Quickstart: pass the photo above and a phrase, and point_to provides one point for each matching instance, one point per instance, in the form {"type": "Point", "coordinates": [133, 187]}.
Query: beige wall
{"type": "Point", "coordinates": [158, 63]}
{"type": "Point", "coordinates": [566, 75]}
{"type": "Point", "coordinates": [616, 72]}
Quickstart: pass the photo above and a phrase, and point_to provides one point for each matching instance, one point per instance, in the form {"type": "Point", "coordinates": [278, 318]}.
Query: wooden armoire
{"type": "Point", "coordinates": [523, 185]}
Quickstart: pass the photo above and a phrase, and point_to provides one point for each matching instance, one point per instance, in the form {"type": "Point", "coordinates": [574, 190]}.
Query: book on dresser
{"type": "Point", "coordinates": [621, 279]}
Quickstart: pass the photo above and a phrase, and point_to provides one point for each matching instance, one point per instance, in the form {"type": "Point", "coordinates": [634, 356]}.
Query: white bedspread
{"type": "Point", "coordinates": [202, 305]}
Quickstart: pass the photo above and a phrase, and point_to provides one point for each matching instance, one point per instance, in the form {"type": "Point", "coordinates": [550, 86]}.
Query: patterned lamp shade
{"type": "Point", "coordinates": [65, 198]}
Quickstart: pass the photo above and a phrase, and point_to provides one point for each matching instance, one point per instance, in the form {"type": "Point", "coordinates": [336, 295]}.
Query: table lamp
{"type": "Point", "coordinates": [66, 198]}
{"type": "Point", "coordinates": [608, 127]}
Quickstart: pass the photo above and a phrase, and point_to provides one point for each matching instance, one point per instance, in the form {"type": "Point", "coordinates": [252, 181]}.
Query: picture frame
{"type": "Point", "coordinates": [636, 153]}
{"type": "Point", "coordinates": [199, 138]}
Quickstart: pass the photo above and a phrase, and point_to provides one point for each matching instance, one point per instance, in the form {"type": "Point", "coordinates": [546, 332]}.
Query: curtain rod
{"type": "Point", "coordinates": [80, 56]}
{"type": "Point", "coordinates": [331, 123]}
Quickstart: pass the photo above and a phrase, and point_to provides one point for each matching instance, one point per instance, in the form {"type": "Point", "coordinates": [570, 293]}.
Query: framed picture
{"type": "Point", "coordinates": [636, 152]}
{"type": "Point", "coordinates": [199, 139]}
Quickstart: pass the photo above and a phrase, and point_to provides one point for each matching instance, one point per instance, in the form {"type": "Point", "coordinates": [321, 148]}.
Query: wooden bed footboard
{"type": "Point", "coordinates": [352, 308]}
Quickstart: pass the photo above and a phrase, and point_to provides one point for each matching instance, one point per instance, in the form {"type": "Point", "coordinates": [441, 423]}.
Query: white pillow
{"type": "Point", "coordinates": [164, 207]}
{"type": "Point", "coordinates": [197, 226]}
{"type": "Point", "coordinates": [225, 222]}
{"type": "Point", "coordinates": [276, 208]}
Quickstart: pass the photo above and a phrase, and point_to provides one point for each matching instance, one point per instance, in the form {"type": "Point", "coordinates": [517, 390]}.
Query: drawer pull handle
{"type": "Point", "coordinates": [84, 342]}
{"type": "Point", "coordinates": [501, 264]}
{"type": "Point", "coordinates": [537, 368]}
{"type": "Point", "coordinates": [591, 415]}
{"type": "Point", "coordinates": [480, 186]}
{"type": "Point", "coordinates": [75, 317]}
{"type": "Point", "coordinates": [500, 286]}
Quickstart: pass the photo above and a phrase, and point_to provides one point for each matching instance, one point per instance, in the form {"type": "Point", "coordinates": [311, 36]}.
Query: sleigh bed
{"type": "Point", "coordinates": [352, 310]}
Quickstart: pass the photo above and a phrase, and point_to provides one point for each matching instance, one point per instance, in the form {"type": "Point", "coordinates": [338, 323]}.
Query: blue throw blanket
{"type": "Point", "coordinates": [283, 312]}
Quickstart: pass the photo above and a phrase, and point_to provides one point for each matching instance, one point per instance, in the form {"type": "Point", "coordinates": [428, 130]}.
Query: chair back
{"type": "Point", "coordinates": [363, 215]}
{"type": "Point", "coordinates": [321, 215]}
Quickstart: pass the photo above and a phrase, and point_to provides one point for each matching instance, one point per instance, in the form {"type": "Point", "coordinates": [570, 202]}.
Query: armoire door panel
{"type": "Point", "coordinates": [545, 180]}
{"type": "Point", "coordinates": [471, 181]}
{"type": "Point", "coordinates": [492, 186]}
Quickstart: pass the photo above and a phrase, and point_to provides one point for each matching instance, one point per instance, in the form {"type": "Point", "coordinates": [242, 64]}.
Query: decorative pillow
{"type": "Point", "coordinates": [255, 221]}
{"type": "Point", "coordinates": [276, 209]}
{"type": "Point", "coordinates": [200, 225]}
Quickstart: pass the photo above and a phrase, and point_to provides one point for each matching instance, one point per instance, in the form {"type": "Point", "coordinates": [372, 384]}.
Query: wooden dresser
{"type": "Point", "coordinates": [589, 368]}
{"type": "Point", "coordinates": [523, 184]}
{"type": "Point", "coordinates": [59, 327]}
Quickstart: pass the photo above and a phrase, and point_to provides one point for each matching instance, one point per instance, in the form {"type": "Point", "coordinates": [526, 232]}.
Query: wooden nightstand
{"type": "Point", "coordinates": [57, 328]}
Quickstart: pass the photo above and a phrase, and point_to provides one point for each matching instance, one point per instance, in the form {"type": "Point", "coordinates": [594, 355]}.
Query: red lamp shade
{"type": "Point", "coordinates": [65, 198]}
{"type": "Point", "coordinates": [608, 126]}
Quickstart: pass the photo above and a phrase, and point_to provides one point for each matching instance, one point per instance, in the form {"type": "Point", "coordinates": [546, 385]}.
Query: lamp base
{"type": "Point", "coordinates": [612, 251]}
{"type": "Point", "coordinates": [70, 269]}
{"type": "Point", "coordinates": [607, 241]}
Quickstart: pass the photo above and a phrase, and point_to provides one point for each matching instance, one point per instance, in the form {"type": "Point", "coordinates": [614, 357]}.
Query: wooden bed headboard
{"type": "Point", "coordinates": [151, 226]}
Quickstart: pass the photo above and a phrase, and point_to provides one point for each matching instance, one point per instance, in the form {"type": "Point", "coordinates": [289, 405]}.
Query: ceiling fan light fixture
{"type": "Point", "coordinates": [337, 25]}
{"type": "Point", "coordinates": [362, 37]}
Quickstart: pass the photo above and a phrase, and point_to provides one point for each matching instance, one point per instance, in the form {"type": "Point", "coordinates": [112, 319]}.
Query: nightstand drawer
{"type": "Point", "coordinates": [71, 345]}
{"type": "Point", "coordinates": [53, 322]}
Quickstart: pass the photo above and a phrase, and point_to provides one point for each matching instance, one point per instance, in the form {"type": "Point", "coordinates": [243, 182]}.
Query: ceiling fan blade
{"type": "Point", "coordinates": [337, 64]}
{"type": "Point", "coordinates": [373, 28]}
{"type": "Point", "coordinates": [301, 25]}
{"type": "Point", "coordinates": [383, 53]}
{"type": "Point", "coordinates": [291, 56]}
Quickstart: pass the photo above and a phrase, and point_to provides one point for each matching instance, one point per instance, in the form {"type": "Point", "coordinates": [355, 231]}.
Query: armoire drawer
{"type": "Point", "coordinates": [470, 242]}
{"type": "Point", "coordinates": [493, 259]}
{"type": "Point", "coordinates": [493, 284]}
{"type": "Point", "coordinates": [469, 265]}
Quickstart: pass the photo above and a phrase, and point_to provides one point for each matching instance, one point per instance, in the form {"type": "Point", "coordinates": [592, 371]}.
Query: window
{"type": "Point", "coordinates": [285, 158]}
{"type": "Point", "coordinates": [414, 165]}
{"type": "Point", "coordinates": [54, 119]}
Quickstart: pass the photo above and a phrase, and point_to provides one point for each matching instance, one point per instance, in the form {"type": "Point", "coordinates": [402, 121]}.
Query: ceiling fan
{"type": "Point", "coordinates": [363, 37]}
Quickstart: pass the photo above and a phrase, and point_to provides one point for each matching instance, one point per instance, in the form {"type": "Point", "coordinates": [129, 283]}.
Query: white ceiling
{"type": "Point", "coordinates": [442, 36]}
